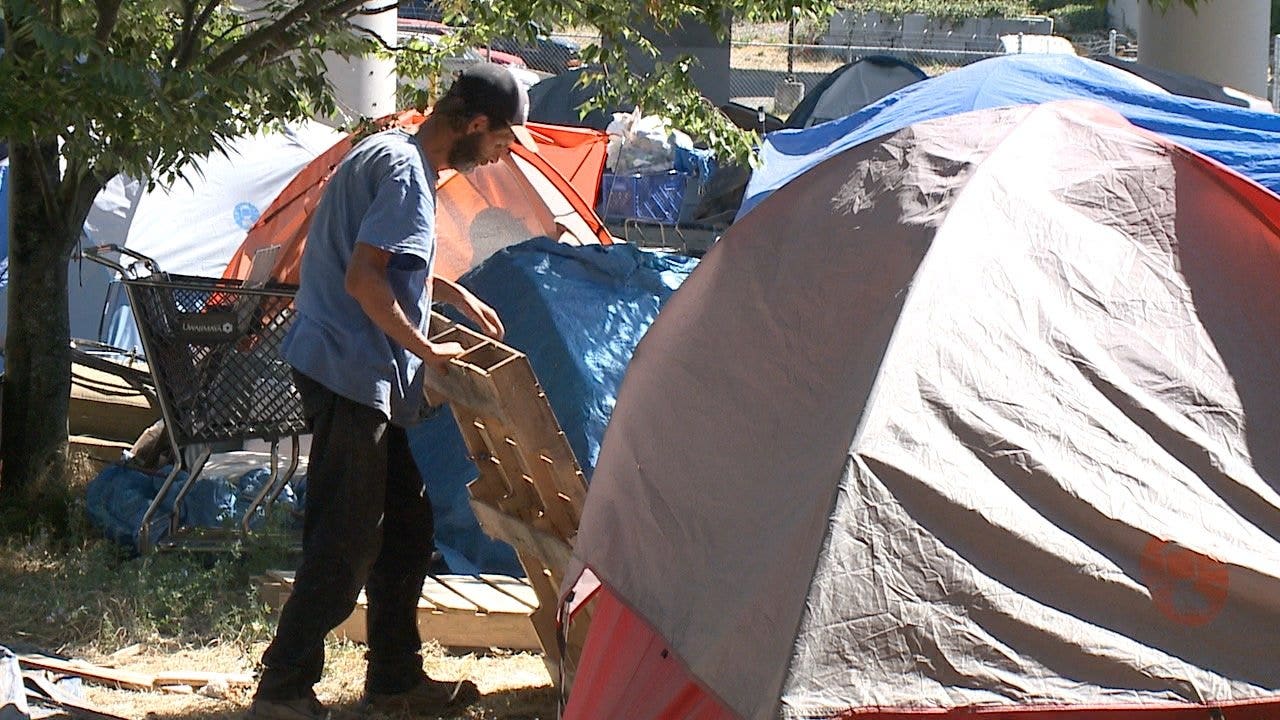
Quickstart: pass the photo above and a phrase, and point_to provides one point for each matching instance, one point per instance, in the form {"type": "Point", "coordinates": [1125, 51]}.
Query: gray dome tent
{"type": "Point", "coordinates": [853, 86]}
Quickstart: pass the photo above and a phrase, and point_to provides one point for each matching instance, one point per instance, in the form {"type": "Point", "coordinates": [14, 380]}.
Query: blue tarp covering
{"type": "Point", "coordinates": [117, 499]}
{"type": "Point", "coordinates": [1247, 141]}
{"type": "Point", "coordinates": [578, 313]}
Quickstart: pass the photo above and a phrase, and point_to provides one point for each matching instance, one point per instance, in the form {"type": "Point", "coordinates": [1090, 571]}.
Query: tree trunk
{"type": "Point", "coordinates": [37, 386]}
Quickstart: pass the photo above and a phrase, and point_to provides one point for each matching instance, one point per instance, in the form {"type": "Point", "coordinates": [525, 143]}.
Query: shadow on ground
{"type": "Point", "coordinates": [523, 704]}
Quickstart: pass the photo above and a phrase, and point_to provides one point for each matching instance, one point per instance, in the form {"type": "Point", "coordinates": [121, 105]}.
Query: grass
{"type": "Point", "coordinates": [66, 591]}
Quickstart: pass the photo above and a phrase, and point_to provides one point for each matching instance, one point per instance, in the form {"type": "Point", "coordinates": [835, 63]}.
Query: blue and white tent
{"type": "Point", "coordinates": [1246, 141]}
{"type": "Point", "coordinates": [189, 226]}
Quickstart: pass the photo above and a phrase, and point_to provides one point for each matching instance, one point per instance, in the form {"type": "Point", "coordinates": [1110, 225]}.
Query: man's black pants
{"type": "Point", "coordinates": [367, 524]}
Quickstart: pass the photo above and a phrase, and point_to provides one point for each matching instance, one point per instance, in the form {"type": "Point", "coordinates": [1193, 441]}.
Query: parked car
{"type": "Point", "coordinates": [409, 28]}
{"type": "Point", "coordinates": [545, 54]}
{"type": "Point", "coordinates": [419, 10]}
{"type": "Point", "coordinates": [425, 31]}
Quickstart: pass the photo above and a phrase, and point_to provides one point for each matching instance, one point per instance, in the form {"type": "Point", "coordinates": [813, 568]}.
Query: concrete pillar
{"type": "Point", "coordinates": [1123, 14]}
{"type": "Point", "coordinates": [365, 86]}
{"type": "Point", "coordinates": [1223, 41]}
{"type": "Point", "coordinates": [712, 76]}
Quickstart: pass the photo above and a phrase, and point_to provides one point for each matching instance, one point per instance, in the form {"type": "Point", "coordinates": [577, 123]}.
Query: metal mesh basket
{"type": "Point", "coordinates": [214, 350]}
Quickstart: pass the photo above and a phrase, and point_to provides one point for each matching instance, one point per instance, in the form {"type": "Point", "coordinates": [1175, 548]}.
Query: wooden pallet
{"type": "Point", "coordinates": [480, 611]}
{"type": "Point", "coordinates": [530, 490]}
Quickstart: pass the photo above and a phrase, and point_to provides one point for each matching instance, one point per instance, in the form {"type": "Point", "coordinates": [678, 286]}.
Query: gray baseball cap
{"type": "Point", "coordinates": [491, 90]}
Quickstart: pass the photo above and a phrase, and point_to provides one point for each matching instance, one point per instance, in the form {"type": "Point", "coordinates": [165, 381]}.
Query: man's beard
{"type": "Point", "coordinates": [464, 156]}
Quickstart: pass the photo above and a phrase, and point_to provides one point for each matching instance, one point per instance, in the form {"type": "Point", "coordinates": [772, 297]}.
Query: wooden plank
{"type": "Point", "coordinates": [284, 576]}
{"type": "Point", "coordinates": [516, 588]}
{"type": "Point", "coordinates": [553, 551]}
{"type": "Point", "coordinates": [484, 596]}
{"type": "Point", "coordinates": [469, 630]}
{"type": "Point", "coordinates": [445, 598]}
{"type": "Point", "coordinates": [50, 695]}
{"type": "Point", "coordinates": [104, 676]}
{"type": "Point", "coordinates": [200, 678]}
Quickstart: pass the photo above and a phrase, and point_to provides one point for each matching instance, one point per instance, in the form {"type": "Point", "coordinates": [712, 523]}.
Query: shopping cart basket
{"type": "Point", "coordinates": [213, 348]}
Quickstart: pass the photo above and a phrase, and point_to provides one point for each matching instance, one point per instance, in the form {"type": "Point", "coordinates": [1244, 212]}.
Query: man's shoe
{"type": "Point", "coordinates": [428, 697]}
{"type": "Point", "coordinates": [307, 708]}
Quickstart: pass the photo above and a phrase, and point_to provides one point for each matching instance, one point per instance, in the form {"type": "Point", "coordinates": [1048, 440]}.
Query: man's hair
{"type": "Point", "coordinates": [455, 112]}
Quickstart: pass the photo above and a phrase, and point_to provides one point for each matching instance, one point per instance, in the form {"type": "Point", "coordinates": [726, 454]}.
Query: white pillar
{"type": "Point", "coordinates": [1223, 41]}
{"type": "Point", "coordinates": [1123, 14]}
{"type": "Point", "coordinates": [365, 86]}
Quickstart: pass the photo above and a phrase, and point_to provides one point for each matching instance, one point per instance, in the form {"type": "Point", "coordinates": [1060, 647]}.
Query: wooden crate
{"type": "Point", "coordinates": [530, 490]}
{"type": "Point", "coordinates": [471, 611]}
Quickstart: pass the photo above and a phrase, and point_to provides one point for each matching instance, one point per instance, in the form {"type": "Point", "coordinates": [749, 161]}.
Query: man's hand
{"type": "Point", "coordinates": [470, 305]}
{"type": "Point", "coordinates": [484, 316]}
{"type": "Point", "coordinates": [438, 355]}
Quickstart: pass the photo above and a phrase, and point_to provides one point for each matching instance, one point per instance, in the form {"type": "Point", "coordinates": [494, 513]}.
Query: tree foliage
{"type": "Point", "coordinates": [143, 86]}
{"type": "Point", "coordinates": [92, 88]}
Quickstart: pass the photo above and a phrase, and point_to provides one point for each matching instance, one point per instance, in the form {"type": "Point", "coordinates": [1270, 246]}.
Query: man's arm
{"type": "Point", "coordinates": [366, 281]}
{"type": "Point", "coordinates": [447, 291]}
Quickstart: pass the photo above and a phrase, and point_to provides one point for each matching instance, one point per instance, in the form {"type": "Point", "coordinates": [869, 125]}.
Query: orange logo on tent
{"type": "Point", "coordinates": [1187, 587]}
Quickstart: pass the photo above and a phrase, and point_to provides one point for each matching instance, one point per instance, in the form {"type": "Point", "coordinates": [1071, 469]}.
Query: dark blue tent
{"type": "Point", "coordinates": [556, 100]}
{"type": "Point", "coordinates": [1185, 85]}
{"type": "Point", "coordinates": [1246, 141]}
{"type": "Point", "coordinates": [851, 87]}
{"type": "Point", "coordinates": [578, 313]}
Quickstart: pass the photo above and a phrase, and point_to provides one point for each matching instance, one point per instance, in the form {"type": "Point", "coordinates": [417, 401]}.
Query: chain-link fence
{"type": "Point", "coordinates": [768, 74]}
{"type": "Point", "coordinates": [776, 75]}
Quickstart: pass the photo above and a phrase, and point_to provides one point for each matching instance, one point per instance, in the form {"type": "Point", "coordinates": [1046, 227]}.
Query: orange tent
{"type": "Point", "coordinates": [526, 194]}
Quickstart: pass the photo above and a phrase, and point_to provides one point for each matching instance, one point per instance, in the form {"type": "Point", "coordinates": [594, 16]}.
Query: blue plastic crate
{"type": "Point", "coordinates": [643, 197]}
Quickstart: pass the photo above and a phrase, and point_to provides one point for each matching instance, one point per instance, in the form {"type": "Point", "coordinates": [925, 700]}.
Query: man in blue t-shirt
{"type": "Point", "coordinates": [357, 348]}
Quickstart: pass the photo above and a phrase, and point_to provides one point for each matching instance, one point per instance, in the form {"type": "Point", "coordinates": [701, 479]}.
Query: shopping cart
{"type": "Point", "coordinates": [213, 349]}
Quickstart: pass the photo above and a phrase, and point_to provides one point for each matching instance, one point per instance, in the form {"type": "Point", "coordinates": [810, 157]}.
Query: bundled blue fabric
{"type": "Point", "coordinates": [118, 497]}
{"type": "Point", "coordinates": [578, 313]}
{"type": "Point", "coordinates": [1246, 141]}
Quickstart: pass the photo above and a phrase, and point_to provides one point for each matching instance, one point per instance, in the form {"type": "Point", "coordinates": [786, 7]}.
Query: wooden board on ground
{"type": "Point", "coordinates": [106, 406]}
{"type": "Point", "coordinates": [477, 611]}
{"type": "Point", "coordinates": [100, 452]}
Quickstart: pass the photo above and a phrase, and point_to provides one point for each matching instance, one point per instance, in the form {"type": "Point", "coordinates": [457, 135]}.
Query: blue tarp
{"type": "Point", "coordinates": [118, 497]}
{"type": "Point", "coordinates": [578, 313]}
{"type": "Point", "coordinates": [1247, 141]}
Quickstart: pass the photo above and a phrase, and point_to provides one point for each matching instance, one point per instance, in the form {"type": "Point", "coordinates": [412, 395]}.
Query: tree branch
{"type": "Point", "coordinates": [184, 33]}
{"type": "Point", "coordinates": [259, 40]}
{"type": "Point", "coordinates": [376, 10]}
{"type": "Point", "coordinates": [108, 15]}
{"type": "Point", "coordinates": [191, 42]}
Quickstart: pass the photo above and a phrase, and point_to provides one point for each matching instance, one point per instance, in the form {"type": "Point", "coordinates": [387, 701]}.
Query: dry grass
{"type": "Point", "coordinates": [515, 686]}
{"type": "Point", "coordinates": [71, 593]}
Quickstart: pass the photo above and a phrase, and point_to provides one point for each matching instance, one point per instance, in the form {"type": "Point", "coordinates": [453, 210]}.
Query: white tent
{"type": "Point", "coordinates": [190, 226]}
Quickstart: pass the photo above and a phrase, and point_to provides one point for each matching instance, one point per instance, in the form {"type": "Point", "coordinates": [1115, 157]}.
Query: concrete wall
{"type": "Point", "coordinates": [871, 29]}
{"type": "Point", "coordinates": [365, 86]}
{"type": "Point", "coordinates": [711, 77]}
{"type": "Point", "coordinates": [1226, 42]}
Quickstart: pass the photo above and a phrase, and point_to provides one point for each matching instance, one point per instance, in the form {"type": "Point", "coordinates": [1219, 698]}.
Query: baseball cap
{"type": "Point", "coordinates": [491, 90]}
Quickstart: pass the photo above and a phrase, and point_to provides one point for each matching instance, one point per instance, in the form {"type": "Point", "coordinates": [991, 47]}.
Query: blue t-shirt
{"type": "Point", "coordinates": [383, 194]}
